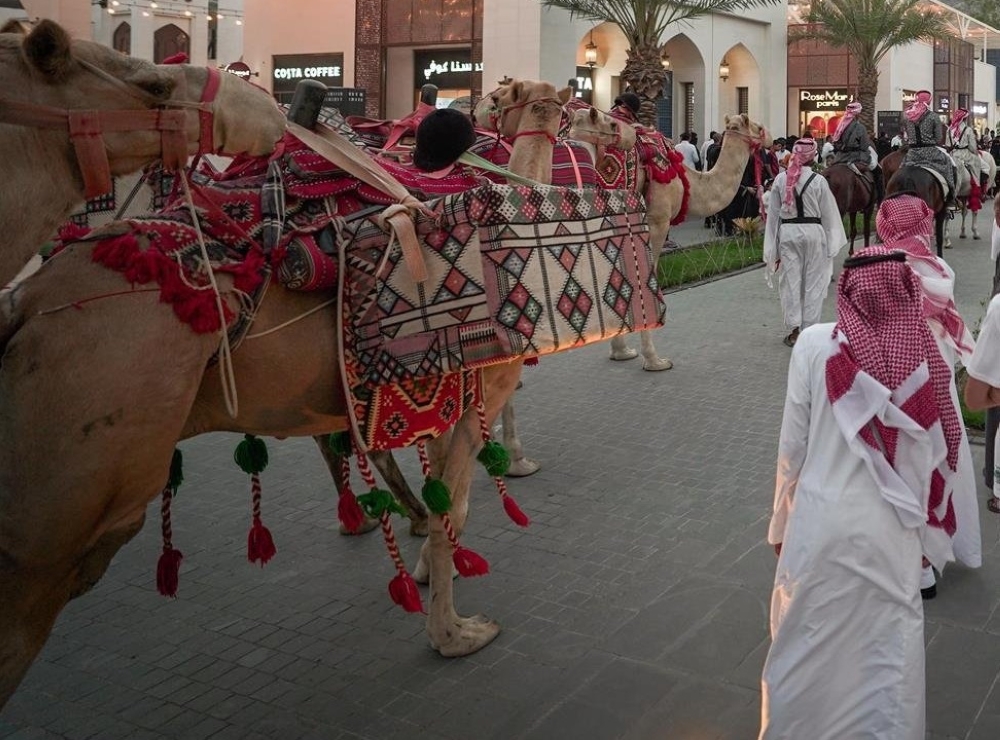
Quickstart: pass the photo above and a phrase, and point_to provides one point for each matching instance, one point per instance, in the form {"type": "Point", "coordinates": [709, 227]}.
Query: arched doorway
{"type": "Point", "coordinates": [122, 38]}
{"type": "Point", "coordinates": [740, 91]}
{"type": "Point", "coordinates": [687, 94]}
{"type": "Point", "coordinates": [169, 40]}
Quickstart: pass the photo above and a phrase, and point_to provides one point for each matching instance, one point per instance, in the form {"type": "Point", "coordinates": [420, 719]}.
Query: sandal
{"type": "Point", "coordinates": [993, 504]}
{"type": "Point", "coordinates": [790, 339]}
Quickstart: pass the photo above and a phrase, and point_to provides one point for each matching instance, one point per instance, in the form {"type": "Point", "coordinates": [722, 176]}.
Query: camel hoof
{"type": "Point", "coordinates": [366, 526]}
{"type": "Point", "coordinates": [522, 467]}
{"type": "Point", "coordinates": [628, 353]}
{"type": "Point", "coordinates": [655, 365]}
{"type": "Point", "coordinates": [464, 636]}
{"type": "Point", "coordinates": [419, 527]}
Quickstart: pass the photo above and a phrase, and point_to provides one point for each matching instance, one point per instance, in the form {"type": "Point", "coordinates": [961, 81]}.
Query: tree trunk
{"type": "Point", "coordinates": [867, 89]}
{"type": "Point", "coordinates": [645, 76]}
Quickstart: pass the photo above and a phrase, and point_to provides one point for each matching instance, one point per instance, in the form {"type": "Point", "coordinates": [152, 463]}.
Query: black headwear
{"type": "Point", "coordinates": [630, 101]}
{"type": "Point", "coordinates": [441, 138]}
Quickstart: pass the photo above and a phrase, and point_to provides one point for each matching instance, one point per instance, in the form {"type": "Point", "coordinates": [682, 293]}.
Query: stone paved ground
{"type": "Point", "coordinates": [634, 607]}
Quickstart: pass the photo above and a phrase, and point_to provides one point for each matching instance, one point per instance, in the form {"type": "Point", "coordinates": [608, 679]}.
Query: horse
{"type": "Point", "coordinates": [854, 195]}
{"type": "Point", "coordinates": [989, 170]}
{"type": "Point", "coordinates": [923, 184]}
{"type": "Point", "coordinates": [141, 381]}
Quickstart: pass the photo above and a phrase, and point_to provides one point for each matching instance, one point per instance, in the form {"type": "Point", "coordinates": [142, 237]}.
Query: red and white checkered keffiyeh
{"type": "Point", "coordinates": [850, 113]}
{"type": "Point", "coordinates": [890, 390]}
{"type": "Point", "coordinates": [956, 122]}
{"type": "Point", "coordinates": [905, 222]}
{"type": "Point", "coordinates": [803, 155]}
{"type": "Point", "coordinates": [919, 106]}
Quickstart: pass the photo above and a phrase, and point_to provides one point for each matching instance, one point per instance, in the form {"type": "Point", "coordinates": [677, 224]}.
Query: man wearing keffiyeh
{"type": "Point", "coordinates": [850, 139]}
{"type": "Point", "coordinates": [866, 457]}
{"type": "Point", "coordinates": [905, 222]}
{"type": "Point", "coordinates": [804, 232]}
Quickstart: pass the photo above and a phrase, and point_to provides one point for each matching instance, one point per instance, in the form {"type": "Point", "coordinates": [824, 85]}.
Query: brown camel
{"type": "Point", "coordinates": [137, 383]}
{"type": "Point", "coordinates": [709, 192]}
{"type": "Point", "coordinates": [44, 73]}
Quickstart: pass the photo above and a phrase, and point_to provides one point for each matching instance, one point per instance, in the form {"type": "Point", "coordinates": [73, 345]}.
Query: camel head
{"type": "Point", "coordinates": [522, 106]}
{"type": "Point", "coordinates": [46, 68]}
{"type": "Point", "coordinates": [598, 128]}
{"type": "Point", "coordinates": [747, 129]}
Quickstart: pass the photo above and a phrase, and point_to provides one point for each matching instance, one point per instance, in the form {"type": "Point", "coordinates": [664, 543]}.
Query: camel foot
{"type": "Point", "coordinates": [366, 526]}
{"type": "Point", "coordinates": [464, 635]}
{"type": "Point", "coordinates": [628, 353]}
{"type": "Point", "coordinates": [419, 527]}
{"type": "Point", "coordinates": [656, 364]}
{"type": "Point", "coordinates": [522, 467]}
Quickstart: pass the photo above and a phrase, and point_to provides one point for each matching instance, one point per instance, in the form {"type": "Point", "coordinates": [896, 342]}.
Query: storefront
{"type": "Point", "coordinates": [288, 69]}
{"type": "Point", "coordinates": [450, 70]}
{"type": "Point", "coordinates": [980, 116]}
{"type": "Point", "coordinates": [820, 110]}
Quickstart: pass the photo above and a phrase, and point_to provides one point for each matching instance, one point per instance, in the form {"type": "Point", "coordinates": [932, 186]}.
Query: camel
{"type": "Point", "coordinates": [44, 73]}
{"type": "Point", "coordinates": [709, 192]}
{"type": "Point", "coordinates": [139, 384]}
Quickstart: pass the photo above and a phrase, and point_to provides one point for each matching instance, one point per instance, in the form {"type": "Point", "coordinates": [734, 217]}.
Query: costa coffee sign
{"type": "Point", "coordinates": [288, 69]}
{"type": "Point", "coordinates": [824, 100]}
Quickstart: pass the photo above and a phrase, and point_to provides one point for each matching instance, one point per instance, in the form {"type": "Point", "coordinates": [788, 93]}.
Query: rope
{"type": "Point", "coordinates": [292, 320]}
{"type": "Point", "coordinates": [227, 376]}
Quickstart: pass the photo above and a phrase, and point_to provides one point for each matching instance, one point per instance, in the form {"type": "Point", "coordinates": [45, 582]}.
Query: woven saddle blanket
{"type": "Point", "coordinates": [514, 272]}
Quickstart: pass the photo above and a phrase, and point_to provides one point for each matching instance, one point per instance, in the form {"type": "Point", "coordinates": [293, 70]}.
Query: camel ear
{"type": "Point", "coordinates": [564, 95]}
{"type": "Point", "coordinates": [47, 49]}
{"type": "Point", "coordinates": [746, 119]}
{"type": "Point", "coordinates": [517, 91]}
{"type": "Point", "coordinates": [13, 26]}
{"type": "Point", "coordinates": [593, 115]}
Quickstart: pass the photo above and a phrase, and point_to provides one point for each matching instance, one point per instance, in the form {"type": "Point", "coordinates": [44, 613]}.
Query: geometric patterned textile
{"type": "Point", "coordinates": [514, 272]}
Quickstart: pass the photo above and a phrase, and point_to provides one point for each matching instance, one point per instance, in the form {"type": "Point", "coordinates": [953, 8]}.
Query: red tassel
{"type": "Point", "coordinates": [469, 563]}
{"type": "Point", "coordinates": [260, 545]}
{"type": "Point", "coordinates": [530, 361]}
{"type": "Point", "coordinates": [403, 591]}
{"type": "Point", "coordinates": [514, 511]}
{"type": "Point", "coordinates": [349, 512]}
{"type": "Point", "coordinates": [168, 571]}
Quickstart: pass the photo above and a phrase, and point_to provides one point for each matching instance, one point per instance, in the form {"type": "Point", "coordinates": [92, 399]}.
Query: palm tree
{"type": "Point", "coordinates": [868, 29]}
{"type": "Point", "coordinates": [643, 22]}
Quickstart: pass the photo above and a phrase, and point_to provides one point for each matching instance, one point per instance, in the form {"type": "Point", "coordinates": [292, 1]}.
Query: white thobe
{"type": "Point", "coordinates": [847, 647]}
{"type": "Point", "coordinates": [985, 362]}
{"type": "Point", "coordinates": [806, 251]}
{"type": "Point", "coordinates": [966, 544]}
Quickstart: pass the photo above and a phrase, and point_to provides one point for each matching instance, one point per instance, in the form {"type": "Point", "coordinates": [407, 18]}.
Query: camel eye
{"type": "Point", "coordinates": [159, 89]}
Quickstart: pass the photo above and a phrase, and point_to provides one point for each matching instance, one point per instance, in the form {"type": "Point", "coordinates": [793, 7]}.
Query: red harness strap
{"type": "Point", "coordinates": [206, 142]}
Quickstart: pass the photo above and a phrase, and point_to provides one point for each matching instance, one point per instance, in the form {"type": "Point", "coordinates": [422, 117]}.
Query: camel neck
{"type": "Point", "coordinates": [713, 190]}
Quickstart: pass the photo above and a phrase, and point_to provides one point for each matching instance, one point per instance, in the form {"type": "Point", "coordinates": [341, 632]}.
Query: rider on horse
{"type": "Point", "coordinates": [963, 145]}
{"type": "Point", "coordinates": [924, 134]}
{"type": "Point", "coordinates": [852, 145]}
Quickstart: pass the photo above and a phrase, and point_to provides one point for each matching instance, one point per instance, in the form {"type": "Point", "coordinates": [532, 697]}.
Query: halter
{"type": "Point", "coordinates": [86, 128]}
{"type": "Point", "coordinates": [497, 117]}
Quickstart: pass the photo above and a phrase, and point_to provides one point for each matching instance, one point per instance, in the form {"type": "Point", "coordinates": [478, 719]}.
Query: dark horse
{"type": "Point", "coordinates": [854, 195]}
{"type": "Point", "coordinates": [921, 183]}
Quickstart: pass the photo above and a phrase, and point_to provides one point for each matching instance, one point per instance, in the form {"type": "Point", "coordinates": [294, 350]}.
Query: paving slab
{"type": "Point", "coordinates": [635, 605]}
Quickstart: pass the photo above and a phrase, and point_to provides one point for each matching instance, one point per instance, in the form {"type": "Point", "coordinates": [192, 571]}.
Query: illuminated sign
{"type": "Point", "coordinates": [240, 69]}
{"type": "Point", "coordinates": [980, 110]}
{"type": "Point", "coordinates": [449, 69]}
{"type": "Point", "coordinates": [288, 69]}
{"type": "Point", "coordinates": [823, 100]}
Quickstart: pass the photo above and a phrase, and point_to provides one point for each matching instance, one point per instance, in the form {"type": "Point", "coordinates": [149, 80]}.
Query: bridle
{"type": "Point", "coordinates": [498, 114]}
{"type": "Point", "coordinates": [86, 128]}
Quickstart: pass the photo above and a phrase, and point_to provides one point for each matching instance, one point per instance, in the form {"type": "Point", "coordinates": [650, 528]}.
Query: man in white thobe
{"type": "Point", "coordinates": [868, 442]}
{"type": "Point", "coordinates": [804, 232]}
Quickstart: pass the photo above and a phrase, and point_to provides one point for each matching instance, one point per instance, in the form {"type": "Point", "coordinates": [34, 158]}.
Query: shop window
{"type": "Point", "coordinates": [122, 39]}
{"type": "Point", "coordinates": [743, 100]}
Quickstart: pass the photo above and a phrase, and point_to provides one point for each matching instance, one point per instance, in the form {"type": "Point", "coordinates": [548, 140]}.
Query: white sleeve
{"type": "Point", "coordinates": [833, 222]}
{"type": "Point", "coordinates": [985, 362]}
{"type": "Point", "coordinates": [793, 442]}
{"type": "Point", "coordinates": [773, 205]}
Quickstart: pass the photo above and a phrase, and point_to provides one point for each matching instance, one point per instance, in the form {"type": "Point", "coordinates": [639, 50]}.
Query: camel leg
{"type": "Point", "coordinates": [650, 360]}
{"type": "Point", "coordinates": [453, 457]}
{"type": "Point", "coordinates": [620, 350]}
{"type": "Point", "coordinates": [81, 452]}
{"type": "Point", "coordinates": [520, 466]}
{"type": "Point", "coordinates": [393, 476]}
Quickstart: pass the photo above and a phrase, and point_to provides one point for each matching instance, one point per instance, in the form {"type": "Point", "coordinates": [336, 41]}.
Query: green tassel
{"type": "Point", "coordinates": [339, 443]}
{"type": "Point", "coordinates": [379, 501]}
{"type": "Point", "coordinates": [436, 495]}
{"type": "Point", "coordinates": [251, 454]}
{"type": "Point", "coordinates": [176, 471]}
{"type": "Point", "coordinates": [494, 458]}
